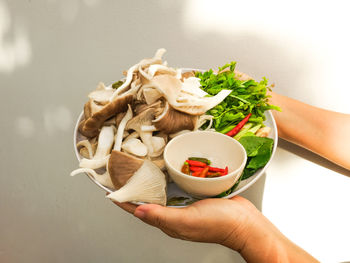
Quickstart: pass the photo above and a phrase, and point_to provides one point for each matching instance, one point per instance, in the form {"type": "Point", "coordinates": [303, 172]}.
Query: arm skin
{"type": "Point", "coordinates": [234, 223]}
{"type": "Point", "coordinates": [324, 132]}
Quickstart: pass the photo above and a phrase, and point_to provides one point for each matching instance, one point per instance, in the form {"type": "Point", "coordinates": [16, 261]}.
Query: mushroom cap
{"type": "Point", "coordinates": [172, 121]}
{"type": "Point", "coordinates": [121, 167]}
{"type": "Point", "coordinates": [90, 127]}
{"type": "Point", "coordinates": [143, 118]}
{"type": "Point", "coordinates": [171, 88]}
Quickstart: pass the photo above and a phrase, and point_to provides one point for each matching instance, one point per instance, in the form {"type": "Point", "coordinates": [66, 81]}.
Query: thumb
{"type": "Point", "coordinates": [159, 216]}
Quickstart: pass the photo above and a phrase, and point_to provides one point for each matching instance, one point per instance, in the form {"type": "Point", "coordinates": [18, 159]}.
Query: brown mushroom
{"type": "Point", "coordinates": [121, 167]}
{"type": "Point", "coordinates": [172, 121]}
{"type": "Point", "coordinates": [90, 126]}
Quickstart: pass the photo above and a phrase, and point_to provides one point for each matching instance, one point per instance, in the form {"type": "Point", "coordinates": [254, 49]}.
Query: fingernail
{"type": "Point", "coordinates": [139, 213]}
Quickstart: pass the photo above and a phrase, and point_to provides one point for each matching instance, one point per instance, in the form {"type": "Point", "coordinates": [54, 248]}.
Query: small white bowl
{"type": "Point", "coordinates": [220, 149]}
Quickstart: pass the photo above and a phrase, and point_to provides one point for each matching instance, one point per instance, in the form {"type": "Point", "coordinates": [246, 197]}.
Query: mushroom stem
{"type": "Point", "coordinates": [94, 163]}
{"type": "Point", "coordinates": [148, 128]}
{"type": "Point", "coordinates": [119, 135]}
{"type": "Point", "coordinates": [145, 62]}
{"type": "Point", "coordinates": [87, 145]}
{"type": "Point", "coordinates": [104, 146]}
{"type": "Point", "coordinates": [103, 179]}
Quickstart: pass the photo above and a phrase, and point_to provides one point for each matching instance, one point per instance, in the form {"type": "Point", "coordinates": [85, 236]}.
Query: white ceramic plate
{"type": "Point", "coordinates": [176, 196]}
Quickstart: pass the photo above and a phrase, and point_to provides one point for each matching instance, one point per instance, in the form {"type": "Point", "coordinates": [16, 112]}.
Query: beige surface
{"type": "Point", "coordinates": [53, 52]}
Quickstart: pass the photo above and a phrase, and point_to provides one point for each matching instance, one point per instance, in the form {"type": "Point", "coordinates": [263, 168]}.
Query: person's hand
{"type": "Point", "coordinates": [234, 223]}
{"type": "Point", "coordinates": [223, 221]}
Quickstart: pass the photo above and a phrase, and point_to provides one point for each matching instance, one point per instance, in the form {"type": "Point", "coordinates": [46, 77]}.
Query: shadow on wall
{"type": "Point", "coordinates": [312, 157]}
{"type": "Point", "coordinates": [15, 48]}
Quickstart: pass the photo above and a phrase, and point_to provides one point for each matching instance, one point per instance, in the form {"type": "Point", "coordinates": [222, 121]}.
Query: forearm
{"type": "Point", "coordinates": [265, 243]}
{"type": "Point", "coordinates": [321, 131]}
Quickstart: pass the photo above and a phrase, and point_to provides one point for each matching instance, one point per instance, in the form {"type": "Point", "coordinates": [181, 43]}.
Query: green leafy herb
{"type": "Point", "coordinates": [180, 200]}
{"type": "Point", "coordinates": [259, 152]}
{"type": "Point", "coordinates": [117, 84]}
{"type": "Point", "coordinates": [247, 96]}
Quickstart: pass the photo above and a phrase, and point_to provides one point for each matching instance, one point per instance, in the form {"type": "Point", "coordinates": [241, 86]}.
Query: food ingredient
{"type": "Point", "coordinates": [200, 159]}
{"type": "Point", "coordinates": [259, 151]}
{"type": "Point", "coordinates": [247, 96]}
{"type": "Point", "coordinates": [148, 184]}
{"type": "Point", "coordinates": [239, 126]}
{"type": "Point", "coordinates": [199, 167]}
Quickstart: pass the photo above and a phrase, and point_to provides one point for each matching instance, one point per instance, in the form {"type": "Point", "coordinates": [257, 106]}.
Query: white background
{"type": "Point", "coordinates": [52, 53]}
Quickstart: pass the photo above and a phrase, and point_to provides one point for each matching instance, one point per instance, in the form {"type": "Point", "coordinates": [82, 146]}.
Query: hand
{"type": "Point", "coordinates": [222, 221]}
{"type": "Point", "coordinates": [234, 223]}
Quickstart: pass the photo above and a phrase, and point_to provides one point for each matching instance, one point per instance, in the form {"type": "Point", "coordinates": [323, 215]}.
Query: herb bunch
{"type": "Point", "coordinates": [247, 96]}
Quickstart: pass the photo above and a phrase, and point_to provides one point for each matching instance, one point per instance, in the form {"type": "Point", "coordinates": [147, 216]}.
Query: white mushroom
{"type": "Point", "coordinates": [105, 142]}
{"type": "Point", "coordinates": [147, 128]}
{"type": "Point", "coordinates": [119, 135]}
{"type": "Point", "coordinates": [192, 86]}
{"type": "Point", "coordinates": [144, 118]}
{"type": "Point", "coordinates": [171, 87]}
{"type": "Point", "coordinates": [160, 69]}
{"type": "Point", "coordinates": [263, 132]}
{"type": "Point", "coordinates": [103, 179]}
{"type": "Point", "coordinates": [157, 59]}
{"type": "Point", "coordinates": [148, 184]}
{"type": "Point", "coordinates": [158, 144]}
{"type": "Point", "coordinates": [135, 147]}
{"type": "Point", "coordinates": [101, 95]}
{"type": "Point", "coordinates": [151, 95]}
{"type": "Point", "coordinates": [87, 145]}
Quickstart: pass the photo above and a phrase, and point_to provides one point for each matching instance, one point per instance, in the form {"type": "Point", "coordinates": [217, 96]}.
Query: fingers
{"type": "Point", "coordinates": [128, 207]}
{"type": "Point", "coordinates": [159, 216]}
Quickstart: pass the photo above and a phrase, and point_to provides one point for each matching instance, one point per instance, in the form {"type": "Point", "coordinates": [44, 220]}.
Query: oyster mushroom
{"type": "Point", "coordinates": [103, 179]}
{"type": "Point", "coordinates": [158, 144]}
{"type": "Point", "coordinates": [91, 108]}
{"type": "Point", "coordinates": [90, 126]}
{"type": "Point", "coordinates": [160, 69]}
{"type": "Point", "coordinates": [135, 147]}
{"type": "Point", "coordinates": [171, 88]}
{"type": "Point", "coordinates": [263, 132]}
{"type": "Point", "coordinates": [121, 167]}
{"type": "Point", "coordinates": [157, 59]}
{"type": "Point", "coordinates": [104, 146]}
{"type": "Point", "coordinates": [172, 121]}
{"type": "Point", "coordinates": [136, 123]}
{"type": "Point", "coordinates": [86, 149]}
{"type": "Point", "coordinates": [148, 184]}
{"type": "Point", "coordinates": [101, 95]}
{"type": "Point", "coordinates": [119, 135]}
{"type": "Point", "coordinates": [151, 95]}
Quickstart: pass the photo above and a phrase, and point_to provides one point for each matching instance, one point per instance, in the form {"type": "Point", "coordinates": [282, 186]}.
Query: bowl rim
{"type": "Point", "coordinates": [194, 178]}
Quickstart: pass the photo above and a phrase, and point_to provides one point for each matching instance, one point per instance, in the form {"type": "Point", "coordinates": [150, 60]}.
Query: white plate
{"type": "Point", "coordinates": [175, 192]}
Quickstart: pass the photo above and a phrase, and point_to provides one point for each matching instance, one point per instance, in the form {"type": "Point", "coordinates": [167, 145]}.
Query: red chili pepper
{"type": "Point", "coordinates": [196, 163]}
{"type": "Point", "coordinates": [204, 172]}
{"type": "Point", "coordinates": [185, 168]}
{"type": "Point", "coordinates": [196, 168]}
{"type": "Point", "coordinates": [239, 126]}
{"type": "Point", "coordinates": [215, 169]}
{"type": "Point", "coordinates": [226, 170]}
{"type": "Point", "coordinates": [212, 175]}
{"type": "Point", "coordinates": [196, 174]}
